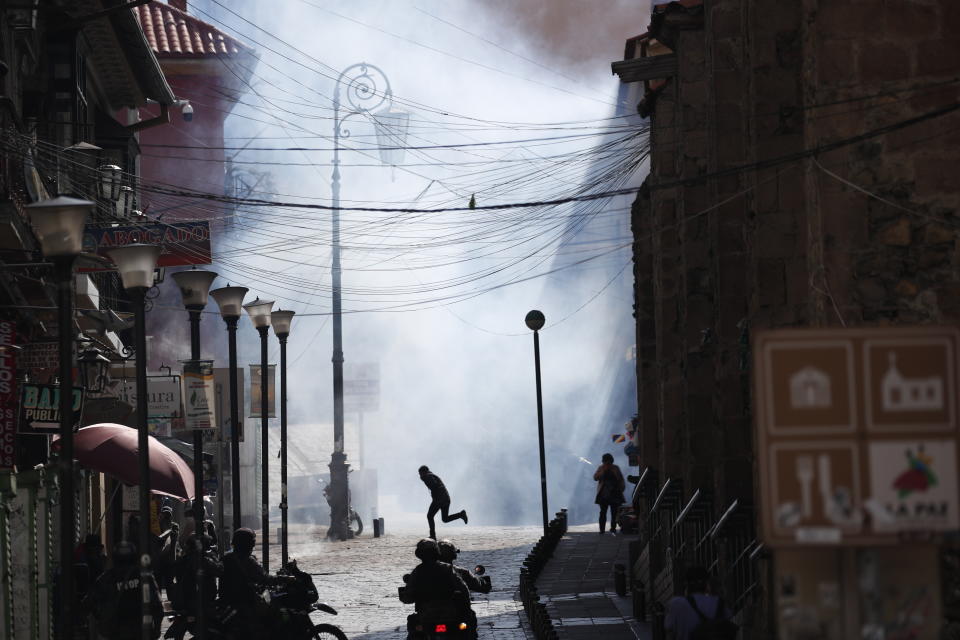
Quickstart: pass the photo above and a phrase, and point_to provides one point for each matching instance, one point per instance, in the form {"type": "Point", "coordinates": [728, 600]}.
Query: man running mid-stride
{"type": "Point", "coordinates": [440, 500]}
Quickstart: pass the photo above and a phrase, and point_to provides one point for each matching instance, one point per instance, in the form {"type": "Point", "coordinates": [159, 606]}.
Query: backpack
{"type": "Point", "coordinates": [712, 628]}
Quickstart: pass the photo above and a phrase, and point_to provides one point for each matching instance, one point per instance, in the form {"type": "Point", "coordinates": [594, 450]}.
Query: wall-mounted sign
{"type": "Point", "coordinates": [8, 396]}
{"type": "Point", "coordinates": [255, 391]}
{"type": "Point", "coordinates": [40, 408]}
{"type": "Point", "coordinates": [857, 433]}
{"type": "Point", "coordinates": [184, 243]}
{"type": "Point", "coordinates": [199, 400]}
{"type": "Point", "coordinates": [163, 395]}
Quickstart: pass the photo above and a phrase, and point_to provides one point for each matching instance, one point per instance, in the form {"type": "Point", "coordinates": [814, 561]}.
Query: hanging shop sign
{"type": "Point", "coordinates": [8, 395]}
{"type": "Point", "coordinates": [40, 408]}
{"type": "Point", "coordinates": [255, 391]}
{"type": "Point", "coordinates": [40, 361]}
{"type": "Point", "coordinates": [163, 395]}
{"type": "Point", "coordinates": [199, 400]}
{"type": "Point", "coordinates": [183, 243]}
{"type": "Point", "coordinates": [361, 386]}
{"type": "Point", "coordinates": [221, 386]}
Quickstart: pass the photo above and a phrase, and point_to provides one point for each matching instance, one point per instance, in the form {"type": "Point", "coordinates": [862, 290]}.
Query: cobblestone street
{"type": "Point", "coordinates": [360, 577]}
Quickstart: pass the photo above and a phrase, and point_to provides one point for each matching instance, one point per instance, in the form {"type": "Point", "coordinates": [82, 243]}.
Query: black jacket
{"type": "Point", "coordinates": [437, 489]}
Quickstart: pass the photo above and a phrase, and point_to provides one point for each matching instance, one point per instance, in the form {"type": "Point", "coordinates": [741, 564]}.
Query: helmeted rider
{"type": "Point", "coordinates": [448, 554]}
{"type": "Point", "coordinates": [433, 581]}
{"type": "Point", "coordinates": [242, 583]}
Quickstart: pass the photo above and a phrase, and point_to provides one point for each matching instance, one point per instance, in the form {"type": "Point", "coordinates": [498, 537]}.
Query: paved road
{"type": "Point", "coordinates": [360, 577]}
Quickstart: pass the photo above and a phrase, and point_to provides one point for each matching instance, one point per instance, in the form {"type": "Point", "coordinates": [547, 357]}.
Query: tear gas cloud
{"type": "Point", "coordinates": [456, 370]}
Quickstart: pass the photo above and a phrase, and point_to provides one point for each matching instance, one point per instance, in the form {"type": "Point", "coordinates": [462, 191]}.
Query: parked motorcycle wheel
{"type": "Point", "coordinates": [328, 631]}
{"type": "Point", "coordinates": [356, 522]}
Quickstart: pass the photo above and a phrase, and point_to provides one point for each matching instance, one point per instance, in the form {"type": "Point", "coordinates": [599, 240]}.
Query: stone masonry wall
{"type": "Point", "coordinates": [862, 235]}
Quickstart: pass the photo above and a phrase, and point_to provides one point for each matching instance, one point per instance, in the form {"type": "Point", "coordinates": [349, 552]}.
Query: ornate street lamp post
{"type": "Point", "coordinates": [230, 301]}
{"type": "Point", "coordinates": [281, 321]}
{"type": "Point", "coordinates": [59, 223]}
{"type": "Point", "coordinates": [535, 321]}
{"type": "Point", "coordinates": [259, 312]}
{"type": "Point", "coordinates": [194, 289]}
{"type": "Point", "coordinates": [136, 264]}
{"type": "Point", "coordinates": [367, 88]}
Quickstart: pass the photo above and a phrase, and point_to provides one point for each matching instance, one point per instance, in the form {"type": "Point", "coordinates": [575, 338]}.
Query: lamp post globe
{"type": "Point", "coordinates": [259, 312]}
{"type": "Point", "coordinates": [535, 320]}
{"type": "Point", "coordinates": [194, 287]}
{"type": "Point", "coordinates": [230, 301]}
{"type": "Point", "coordinates": [136, 264]}
{"type": "Point", "coordinates": [58, 224]}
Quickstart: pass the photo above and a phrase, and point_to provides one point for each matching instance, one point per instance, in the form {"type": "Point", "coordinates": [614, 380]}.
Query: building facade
{"type": "Point", "coordinates": [799, 177]}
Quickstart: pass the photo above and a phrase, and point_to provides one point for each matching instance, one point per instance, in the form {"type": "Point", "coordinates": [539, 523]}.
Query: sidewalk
{"type": "Point", "coordinates": [578, 590]}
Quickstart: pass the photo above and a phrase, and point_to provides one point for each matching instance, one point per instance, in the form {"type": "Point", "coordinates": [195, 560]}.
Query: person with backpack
{"type": "Point", "coordinates": [699, 615]}
{"type": "Point", "coordinates": [610, 486]}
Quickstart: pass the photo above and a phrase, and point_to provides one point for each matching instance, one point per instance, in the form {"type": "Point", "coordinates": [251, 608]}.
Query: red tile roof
{"type": "Point", "coordinates": [173, 33]}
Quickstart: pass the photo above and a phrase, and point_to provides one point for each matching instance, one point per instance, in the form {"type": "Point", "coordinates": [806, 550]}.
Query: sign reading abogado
{"type": "Point", "coordinates": [857, 433]}
{"type": "Point", "coordinates": [183, 243]}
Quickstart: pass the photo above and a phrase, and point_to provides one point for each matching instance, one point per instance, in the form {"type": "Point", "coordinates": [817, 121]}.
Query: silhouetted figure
{"type": "Point", "coordinates": [115, 598]}
{"type": "Point", "coordinates": [433, 586]}
{"type": "Point", "coordinates": [610, 487]}
{"type": "Point", "coordinates": [242, 581]}
{"type": "Point", "coordinates": [699, 613]}
{"type": "Point", "coordinates": [440, 500]}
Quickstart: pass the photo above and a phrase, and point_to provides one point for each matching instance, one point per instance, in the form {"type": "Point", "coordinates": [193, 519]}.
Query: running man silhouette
{"type": "Point", "coordinates": [440, 500]}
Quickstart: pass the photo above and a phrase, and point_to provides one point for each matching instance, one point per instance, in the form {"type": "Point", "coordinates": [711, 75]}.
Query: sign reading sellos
{"type": "Point", "coordinates": [857, 433]}
{"type": "Point", "coordinates": [8, 396]}
{"type": "Point", "coordinates": [199, 399]}
{"type": "Point", "coordinates": [183, 243]}
{"type": "Point", "coordinates": [40, 408]}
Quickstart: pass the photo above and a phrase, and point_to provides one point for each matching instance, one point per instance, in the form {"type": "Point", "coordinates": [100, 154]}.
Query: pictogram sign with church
{"type": "Point", "coordinates": [857, 433]}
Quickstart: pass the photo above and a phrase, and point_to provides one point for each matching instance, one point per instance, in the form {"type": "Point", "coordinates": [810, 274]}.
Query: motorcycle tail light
{"type": "Point", "coordinates": [441, 628]}
{"type": "Point", "coordinates": [463, 626]}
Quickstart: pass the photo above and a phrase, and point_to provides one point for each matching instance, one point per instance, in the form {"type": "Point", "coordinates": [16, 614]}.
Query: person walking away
{"type": "Point", "coordinates": [440, 500]}
{"type": "Point", "coordinates": [610, 487]}
{"type": "Point", "coordinates": [699, 615]}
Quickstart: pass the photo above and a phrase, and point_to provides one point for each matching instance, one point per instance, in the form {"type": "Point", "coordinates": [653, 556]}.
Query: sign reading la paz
{"type": "Point", "coordinates": [857, 433]}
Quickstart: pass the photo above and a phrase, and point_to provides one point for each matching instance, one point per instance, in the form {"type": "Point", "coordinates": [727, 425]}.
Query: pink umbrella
{"type": "Point", "coordinates": [112, 449]}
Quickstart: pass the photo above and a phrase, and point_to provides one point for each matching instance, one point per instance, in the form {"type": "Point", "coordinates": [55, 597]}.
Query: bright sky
{"type": "Point", "coordinates": [521, 96]}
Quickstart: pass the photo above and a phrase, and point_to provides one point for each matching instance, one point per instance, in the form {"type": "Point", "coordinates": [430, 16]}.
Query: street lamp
{"type": "Point", "coordinates": [111, 179]}
{"type": "Point", "coordinates": [230, 301]}
{"type": "Point", "coordinates": [136, 264]}
{"type": "Point", "coordinates": [535, 321]}
{"type": "Point", "coordinates": [259, 312]}
{"type": "Point", "coordinates": [281, 321]}
{"type": "Point", "coordinates": [59, 223]}
{"type": "Point", "coordinates": [364, 94]}
{"type": "Point", "coordinates": [194, 287]}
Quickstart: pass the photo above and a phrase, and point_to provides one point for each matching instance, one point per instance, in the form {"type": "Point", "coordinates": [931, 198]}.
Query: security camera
{"type": "Point", "coordinates": [187, 112]}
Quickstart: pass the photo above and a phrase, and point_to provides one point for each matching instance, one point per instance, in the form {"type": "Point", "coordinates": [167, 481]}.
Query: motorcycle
{"type": "Point", "coordinates": [289, 599]}
{"type": "Point", "coordinates": [442, 619]}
